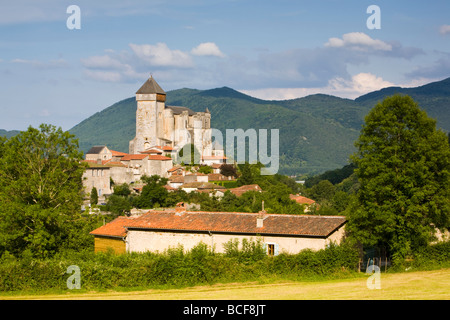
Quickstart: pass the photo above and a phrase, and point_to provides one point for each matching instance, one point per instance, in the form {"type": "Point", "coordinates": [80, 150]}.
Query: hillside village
{"type": "Point", "coordinates": [153, 152]}
{"type": "Point", "coordinates": [214, 221]}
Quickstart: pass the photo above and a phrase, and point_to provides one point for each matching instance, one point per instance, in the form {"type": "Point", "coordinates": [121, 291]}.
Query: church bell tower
{"type": "Point", "coordinates": [150, 100]}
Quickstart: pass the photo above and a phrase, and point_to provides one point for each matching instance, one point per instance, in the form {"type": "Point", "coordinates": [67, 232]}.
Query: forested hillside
{"type": "Point", "coordinates": [317, 132]}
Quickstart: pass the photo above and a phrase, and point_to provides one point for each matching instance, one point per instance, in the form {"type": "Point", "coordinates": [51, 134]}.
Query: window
{"type": "Point", "coordinates": [270, 249]}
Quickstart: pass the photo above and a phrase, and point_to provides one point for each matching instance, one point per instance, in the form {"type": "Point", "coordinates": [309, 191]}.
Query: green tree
{"type": "Point", "coordinates": [153, 193]}
{"type": "Point", "coordinates": [94, 196]}
{"type": "Point", "coordinates": [246, 176]}
{"type": "Point", "coordinates": [205, 169]}
{"type": "Point", "coordinates": [403, 166]}
{"type": "Point", "coordinates": [323, 192]}
{"type": "Point", "coordinates": [118, 205]}
{"type": "Point", "coordinates": [228, 170]}
{"type": "Point", "coordinates": [40, 190]}
{"type": "Point", "coordinates": [122, 190]}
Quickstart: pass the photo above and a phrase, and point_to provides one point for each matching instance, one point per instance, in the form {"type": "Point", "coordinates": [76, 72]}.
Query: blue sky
{"type": "Point", "coordinates": [268, 49]}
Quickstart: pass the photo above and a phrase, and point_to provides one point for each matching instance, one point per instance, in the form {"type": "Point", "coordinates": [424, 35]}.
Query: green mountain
{"type": "Point", "coordinates": [8, 134]}
{"type": "Point", "coordinates": [317, 132]}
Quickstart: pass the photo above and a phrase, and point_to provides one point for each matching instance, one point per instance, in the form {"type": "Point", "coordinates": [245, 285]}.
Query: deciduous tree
{"type": "Point", "coordinates": [403, 166]}
{"type": "Point", "coordinates": [40, 190]}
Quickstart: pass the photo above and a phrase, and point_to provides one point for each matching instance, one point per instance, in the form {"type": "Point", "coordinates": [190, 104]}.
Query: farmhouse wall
{"type": "Point", "coordinates": [141, 241]}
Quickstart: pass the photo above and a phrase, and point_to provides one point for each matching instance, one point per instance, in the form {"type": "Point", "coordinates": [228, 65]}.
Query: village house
{"type": "Point", "coordinates": [308, 204]}
{"type": "Point", "coordinates": [207, 187]}
{"type": "Point", "coordinates": [157, 231]}
{"type": "Point", "coordinates": [239, 191]}
{"type": "Point", "coordinates": [105, 165]}
{"type": "Point", "coordinates": [98, 176]}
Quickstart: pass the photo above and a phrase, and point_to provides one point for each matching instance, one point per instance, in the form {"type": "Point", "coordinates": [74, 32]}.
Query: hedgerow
{"type": "Point", "coordinates": [179, 268]}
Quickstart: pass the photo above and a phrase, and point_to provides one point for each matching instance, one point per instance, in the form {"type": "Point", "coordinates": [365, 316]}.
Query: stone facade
{"type": "Point", "coordinates": [98, 176]}
{"type": "Point", "coordinates": [161, 131]}
{"type": "Point", "coordinates": [157, 231]}
{"type": "Point", "coordinates": [172, 126]}
{"type": "Point", "coordinates": [105, 165]}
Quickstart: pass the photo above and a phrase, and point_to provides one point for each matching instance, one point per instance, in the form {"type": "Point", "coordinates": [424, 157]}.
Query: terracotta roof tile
{"type": "Point", "coordinates": [115, 228]}
{"type": "Point", "coordinates": [301, 200]}
{"type": "Point", "coordinates": [176, 179]}
{"type": "Point", "coordinates": [214, 158]}
{"type": "Point", "coordinates": [129, 157]}
{"type": "Point", "coordinates": [150, 151]}
{"type": "Point", "coordinates": [158, 157]}
{"type": "Point", "coordinates": [238, 222]}
{"type": "Point", "coordinates": [117, 153]}
{"type": "Point", "coordinates": [202, 185]}
{"type": "Point", "coordinates": [239, 191]}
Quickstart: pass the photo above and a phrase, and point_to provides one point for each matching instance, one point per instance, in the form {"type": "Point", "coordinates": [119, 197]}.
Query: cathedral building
{"type": "Point", "coordinates": [159, 125]}
{"type": "Point", "coordinates": [161, 131]}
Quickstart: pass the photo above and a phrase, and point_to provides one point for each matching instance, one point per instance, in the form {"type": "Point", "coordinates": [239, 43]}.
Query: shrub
{"type": "Point", "coordinates": [174, 267]}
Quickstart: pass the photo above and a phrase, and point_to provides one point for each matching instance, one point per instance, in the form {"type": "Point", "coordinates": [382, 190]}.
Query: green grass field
{"type": "Point", "coordinates": [433, 285]}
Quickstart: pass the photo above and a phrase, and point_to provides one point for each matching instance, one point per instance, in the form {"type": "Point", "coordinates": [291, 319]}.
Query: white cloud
{"type": "Point", "coordinates": [444, 29]}
{"type": "Point", "coordinates": [160, 55]}
{"type": "Point", "coordinates": [207, 49]}
{"type": "Point", "coordinates": [358, 85]}
{"type": "Point", "coordinates": [358, 41]}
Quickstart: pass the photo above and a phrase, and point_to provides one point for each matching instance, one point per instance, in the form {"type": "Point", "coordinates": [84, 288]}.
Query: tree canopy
{"type": "Point", "coordinates": [40, 190]}
{"type": "Point", "coordinates": [403, 166]}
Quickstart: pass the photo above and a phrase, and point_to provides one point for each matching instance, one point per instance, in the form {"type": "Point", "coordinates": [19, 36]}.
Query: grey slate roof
{"type": "Point", "coordinates": [95, 149]}
{"type": "Point", "coordinates": [179, 110]}
{"type": "Point", "coordinates": [150, 86]}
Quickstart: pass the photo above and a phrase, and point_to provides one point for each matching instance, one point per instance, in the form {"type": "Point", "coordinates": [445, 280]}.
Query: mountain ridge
{"type": "Point", "coordinates": [317, 132]}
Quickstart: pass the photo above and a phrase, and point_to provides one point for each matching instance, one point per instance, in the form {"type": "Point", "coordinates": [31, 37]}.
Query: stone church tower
{"type": "Point", "coordinates": [158, 125]}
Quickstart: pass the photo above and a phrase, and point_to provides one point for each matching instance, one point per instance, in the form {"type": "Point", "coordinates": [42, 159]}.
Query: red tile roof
{"type": "Point", "coordinates": [202, 185]}
{"type": "Point", "coordinates": [239, 191]}
{"type": "Point", "coordinates": [151, 151]}
{"type": "Point", "coordinates": [158, 157]}
{"type": "Point", "coordinates": [129, 157]}
{"type": "Point", "coordinates": [165, 148]}
{"type": "Point", "coordinates": [176, 179]}
{"type": "Point", "coordinates": [301, 200]}
{"type": "Point", "coordinates": [214, 158]}
{"type": "Point", "coordinates": [117, 153]}
{"type": "Point", "coordinates": [238, 222]}
{"type": "Point", "coordinates": [115, 228]}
